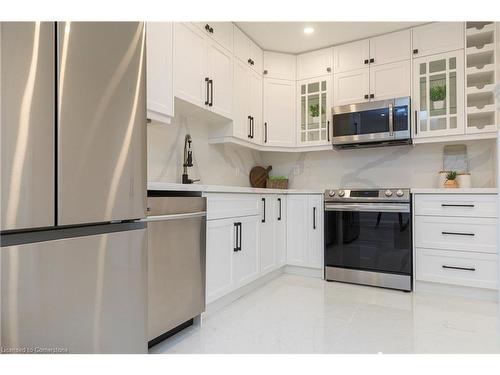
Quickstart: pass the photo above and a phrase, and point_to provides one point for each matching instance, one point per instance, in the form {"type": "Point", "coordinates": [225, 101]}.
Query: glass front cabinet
{"type": "Point", "coordinates": [314, 111]}
{"type": "Point", "coordinates": [438, 96]}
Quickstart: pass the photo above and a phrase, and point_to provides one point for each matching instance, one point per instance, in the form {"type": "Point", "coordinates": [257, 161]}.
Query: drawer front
{"type": "Point", "coordinates": [221, 206]}
{"type": "Point", "coordinates": [468, 205]}
{"type": "Point", "coordinates": [457, 268]}
{"type": "Point", "coordinates": [456, 233]}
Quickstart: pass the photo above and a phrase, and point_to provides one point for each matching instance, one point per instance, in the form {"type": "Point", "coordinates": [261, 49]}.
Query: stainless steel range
{"type": "Point", "coordinates": [368, 237]}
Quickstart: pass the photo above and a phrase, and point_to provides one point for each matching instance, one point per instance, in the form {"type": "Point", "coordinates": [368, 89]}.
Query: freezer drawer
{"type": "Point", "coordinates": [84, 294]}
{"type": "Point", "coordinates": [27, 105]}
{"type": "Point", "coordinates": [101, 122]}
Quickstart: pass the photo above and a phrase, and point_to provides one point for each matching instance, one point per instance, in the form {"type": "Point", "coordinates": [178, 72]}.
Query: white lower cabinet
{"type": "Point", "coordinates": [456, 239]}
{"type": "Point", "coordinates": [305, 230]}
{"type": "Point", "coordinates": [246, 257]}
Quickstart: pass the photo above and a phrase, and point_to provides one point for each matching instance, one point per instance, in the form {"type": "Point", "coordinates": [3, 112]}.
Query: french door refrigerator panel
{"type": "Point", "coordinates": [101, 122]}
{"type": "Point", "coordinates": [83, 294]}
{"type": "Point", "coordinates": [27, 125]}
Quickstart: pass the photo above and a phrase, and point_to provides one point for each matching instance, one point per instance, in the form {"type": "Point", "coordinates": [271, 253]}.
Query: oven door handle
{"type": "Point", "coordinates": [369, 207]}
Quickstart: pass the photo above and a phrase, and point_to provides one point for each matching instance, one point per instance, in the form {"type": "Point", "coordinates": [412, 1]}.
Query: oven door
{"type": "Point", "coordinates": [369, 236]}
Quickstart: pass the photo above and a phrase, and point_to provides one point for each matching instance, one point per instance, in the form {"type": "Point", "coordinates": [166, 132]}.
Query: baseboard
{"type": "Point", "coordinates": [456, 291]}
{"type": "Point", "coordinates": [305, 271]}
{"type": "Point", "coordinates": [240, 292]}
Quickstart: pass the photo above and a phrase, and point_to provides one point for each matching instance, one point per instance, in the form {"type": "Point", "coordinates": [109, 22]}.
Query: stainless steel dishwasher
{"type": "Point", "coordinates": [176, 262]}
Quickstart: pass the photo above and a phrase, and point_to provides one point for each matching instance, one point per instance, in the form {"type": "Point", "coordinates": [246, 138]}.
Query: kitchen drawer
{"type": "Point", "coordinates": [221, 206]}
{"type": "Point", "coordinates": [470, 205]}
{"type": "Point", "coordinates": [458, 268]}
{"type": "Point", "coordinates": [456, 233]}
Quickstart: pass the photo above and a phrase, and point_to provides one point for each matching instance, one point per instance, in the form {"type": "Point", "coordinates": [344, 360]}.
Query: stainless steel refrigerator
{"type": "Point", "coordinates": [73, 187]}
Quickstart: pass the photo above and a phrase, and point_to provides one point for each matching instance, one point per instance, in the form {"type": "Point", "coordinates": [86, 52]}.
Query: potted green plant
{"type": "Point", "coordinates": [451, 180]}
{"type": "Point", "coordinates": [277, 182]}
{"type": "Point", "coordinates": [314, 112]}
{"type": "Point", "coordinates": [438, 95]}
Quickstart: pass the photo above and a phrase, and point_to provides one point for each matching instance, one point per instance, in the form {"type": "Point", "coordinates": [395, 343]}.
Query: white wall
{"type": "Point", "coordinates": [213, 164]}
{"type": "Point", "coordinates": [399, 166]}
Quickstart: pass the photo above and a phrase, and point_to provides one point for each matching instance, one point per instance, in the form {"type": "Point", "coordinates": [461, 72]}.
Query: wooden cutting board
{"type": "Point", "coordinates": [258, 176]}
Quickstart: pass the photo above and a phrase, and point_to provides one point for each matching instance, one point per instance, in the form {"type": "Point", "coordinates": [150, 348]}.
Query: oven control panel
{"type": "Point", "coordinates": [368, 195]}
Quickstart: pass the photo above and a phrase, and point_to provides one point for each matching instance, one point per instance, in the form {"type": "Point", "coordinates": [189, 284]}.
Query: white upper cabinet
{"type": "Point", "coordinates": [279, 112]}
{"type": "Point", "coordinates": [220, 73]}
{"type": "Point", "coordinates": [390, 81]}
{"type": "Point", "coordinates": [247, 51]}
{"type": "Point", "coordinates": [256, 106]}
{"type": "Point", "coordinates": [203, 70]}
{"type": "Point", "coordinates": [437, 37]}
{"type": "Point", "coordinates": [190, 62]}
{"type": "Point", "coordinates": [221, 32]}
{"type": "Point", "coordinates": [351, 87]}
{"type": "Point", "coordinates": [314, 64]}
{"type": "Point", "coordinates": [279, 65]}
{"type": "Point", "coordinates": [351, 56]}
{"type": "Point", "coordinates": [160, 68]}
{"type": "Point", "coordinates": [390, 48]}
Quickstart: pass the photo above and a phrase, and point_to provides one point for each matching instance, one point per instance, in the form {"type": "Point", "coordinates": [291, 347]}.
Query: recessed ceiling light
{"type": "Point", "coordinates": [308, 30]}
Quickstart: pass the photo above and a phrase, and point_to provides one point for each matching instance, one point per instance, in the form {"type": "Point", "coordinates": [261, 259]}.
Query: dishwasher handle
{"type": "Point", "coordinates": [189, 215]}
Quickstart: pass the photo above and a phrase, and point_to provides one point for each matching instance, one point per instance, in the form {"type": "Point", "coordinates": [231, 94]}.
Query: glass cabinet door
{"type": "Point", "coordinates": [438, 95]}
{"type": "Point", "coordinates": [314, 107]}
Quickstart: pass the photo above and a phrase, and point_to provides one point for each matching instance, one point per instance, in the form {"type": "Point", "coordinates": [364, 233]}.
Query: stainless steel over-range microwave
{"type": "Point", "coordinates": [369, 124]}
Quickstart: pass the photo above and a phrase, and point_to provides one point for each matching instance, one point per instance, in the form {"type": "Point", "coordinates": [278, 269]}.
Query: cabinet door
{"type": "Point", "coordinates": [279, 112]}
{"type": "Point", "coordinates": [279, 65]}
{"type": "Point", "coordinates": [257, 56]}
{"type": "Point", "coordinates": [219, 263]}
{"type": "Point", "coordinates": [437, 37]}
{"type": "Point", "coordinates": [297, 222]}
{"type": "Point", "coordinates": [351, 87]}
{"type": "Point", "coordinates": [314, 110]}
{"type": "Point", "coordinates": [190, 61]}
{"type": "Point", "coordinates": [351, 56]}
{"type": "Point", "coordinates": [241, 105]}
{"type": "Point", "coordinates": [241, 45]}
{"type": "Point", "coordinates": [438, 97]}
{"type": "Point", "coordinates": [220, 65]}
{"type": "Point", "coordinates": [160, 84]}
{"type": "Point", "coordinates": [390, 48]}
{"type": "Point", "coordinates": [280, 240]}
{"type": "Point", "coordinates": [390, 81]}
{"type": "Point", "coordinates": [267, 233]}
{"type": "Point", "coordinates": [315, 243]}
{"type": "Point", "coordinates": [256, 106]}
{"type": "Point", "coordinates": [246, 260]}
{"type": "Point", "coordinates": [221, 32]}
{"type": "Point", "coordinates": [314, 64]}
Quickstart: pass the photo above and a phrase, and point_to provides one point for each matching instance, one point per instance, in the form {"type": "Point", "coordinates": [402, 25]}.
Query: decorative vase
{"type": "Point", "coordinates": [315, 120]}
{"type": "Point", "coordinates": [442, 178]}
{"type": "Point", "coordinates": [464, 180]}
{"type": "Point", "coordinates": [451, 184]}
{"type": "Point", "coordinates": [438, 104]}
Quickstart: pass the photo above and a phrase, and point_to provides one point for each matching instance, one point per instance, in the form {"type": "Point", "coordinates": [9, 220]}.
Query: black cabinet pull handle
{"type": "Point", "coordinates": [366, 61]}
{"type": "Point", "coordinates": [457, 205]}
{"type": "Point", "coordinates": [249, 61]}
{"type": "Point", "coordinates": [328, 130]}
{"type": "Point", "coordinates": [211, 82]}
{"type": "Point", "coordinates": [366, 96]}
{"type": "Point", "coordinates": [279, 203]}
{"type": "Point", "coordinates": [249, 126]}
{"type": "Point", "coordinates": [207, 27]}
{"type": "Point", "coordinates": [372, 96]}
{"type": "Point", "coordinates": [372, 60]}
{"type": "Point", "coordinates": [459, 268]}
{"type": "Point", "coordinates": [314, 217]}
{"type": "Point", "coordinates": [415, 51]}
{"type": "Point", "coordinates": [241, 236]}
{"type": "Point", "coordinates": [416, 122]}
{"type": "Point", "coordinates": [211, 30]}
{"type": "Point", "coordinates": [264, 212]}
{"type": "Point", "coordinates": [265, 72]}
{"type": "Point", "coordinates": [458, 234]}
{"type": "Point", "coordinates": [236, 240]}
{"type": "Point", "coordinates": [252, 126]}
{"type": "Point", "coordinates": [207, 83]}
{"type": "Point", "coordinates": [265, 132]}
{"type": "Point", "coordinates": [329, 70]}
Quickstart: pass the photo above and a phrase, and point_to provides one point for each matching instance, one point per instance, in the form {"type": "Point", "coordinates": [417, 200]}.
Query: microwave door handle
{"type": "Point", "coordinates": [391, 119]}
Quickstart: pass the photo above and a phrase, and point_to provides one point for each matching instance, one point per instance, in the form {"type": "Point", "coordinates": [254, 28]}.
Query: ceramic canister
{"type": "Point", "coordinates": [464, 180]}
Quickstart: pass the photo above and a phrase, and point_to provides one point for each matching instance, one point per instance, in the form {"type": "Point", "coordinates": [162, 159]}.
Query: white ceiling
{"type": "Point", "coordinates": [289, 36]}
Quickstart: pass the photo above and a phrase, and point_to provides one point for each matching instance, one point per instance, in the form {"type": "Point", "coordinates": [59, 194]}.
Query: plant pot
{"type": "Point", "coordinates": [442, 178]}
{"type": "Point", "coordinates": [451, 184]}
{"type": "Point", "coordinates": [438, 104]}
{"type": "Point", "coordinates": [464, 180]}
{"type": "Point", "coordinates": [277, 184]}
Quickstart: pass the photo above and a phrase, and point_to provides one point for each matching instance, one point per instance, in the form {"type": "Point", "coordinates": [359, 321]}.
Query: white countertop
{"type": "Point", "coordinates": [168, 186]}
{"type": "Point", "coordinates": [454, 191]}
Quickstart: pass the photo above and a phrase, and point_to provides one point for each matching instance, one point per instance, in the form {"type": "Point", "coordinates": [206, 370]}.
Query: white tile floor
{"type": "Point", "coordinates": [294, 314]}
